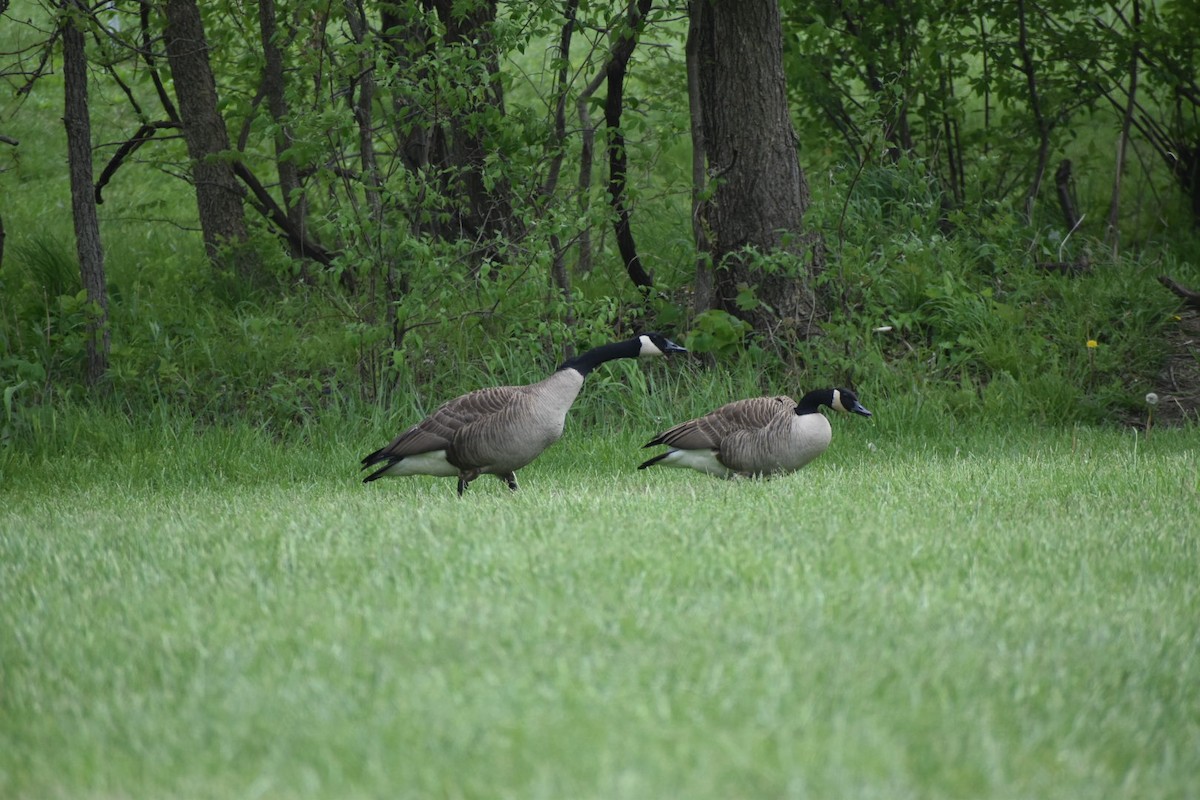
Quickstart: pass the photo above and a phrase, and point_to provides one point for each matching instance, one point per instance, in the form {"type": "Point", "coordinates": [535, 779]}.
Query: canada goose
{"type": "Point", "coordinates": [759, 436]}
{"type": "Point", "coordinates": [501, 429]}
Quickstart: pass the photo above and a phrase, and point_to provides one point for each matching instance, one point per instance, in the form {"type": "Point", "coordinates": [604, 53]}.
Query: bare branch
{"type": "Point", "coordinates": [1189, 297]}
{"type": "Point", "coordinates": [127, 148]}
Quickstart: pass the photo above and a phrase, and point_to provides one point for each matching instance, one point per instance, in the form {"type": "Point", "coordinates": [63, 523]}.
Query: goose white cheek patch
{"type": "Point", "coordinates": [649, 348]}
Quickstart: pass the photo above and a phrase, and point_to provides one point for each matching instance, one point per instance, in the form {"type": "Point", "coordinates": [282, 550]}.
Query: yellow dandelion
{"type": "Point", "coordinates": [1092, 344]}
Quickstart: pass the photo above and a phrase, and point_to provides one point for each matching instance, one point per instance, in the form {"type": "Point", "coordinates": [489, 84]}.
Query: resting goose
{"type": "Point", "coordinates": [759, 436]}
{"type": "Point", "coordinates": [498, 430]}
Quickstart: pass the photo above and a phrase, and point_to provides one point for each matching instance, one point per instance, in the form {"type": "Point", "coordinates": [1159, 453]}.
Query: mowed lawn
{"type": "Point", "coordinates": [1000, 613]}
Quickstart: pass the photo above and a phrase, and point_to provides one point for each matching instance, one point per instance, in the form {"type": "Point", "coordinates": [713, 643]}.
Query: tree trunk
{"type": "Point", "coordinates": [559, 275]}
{"type": "Point", "coordinates": [406, 36]}
{"type": "Point", "coordinates": [364, 106]}
{"type": "Point", "coordinates": [1039, 116]}
{"type": "Point", "coordinates": [587, 157]}
{"type": "Point", "coordinates": [702, 286]}
{"type": "Point", "coordinates": [273, 87]}
{"type": "Point", "coordinates": [461, 147]}
{"type": "Point", "coordinates": [83, 198]}
{"type": "Point", "coordinates": [218, 194]}
{"type": "Point", "coordinates": [617, 160]}
{"type": "Point", "coordinates": [761, 193]}
{"type": "Point", "coordinates": [1113, 231]}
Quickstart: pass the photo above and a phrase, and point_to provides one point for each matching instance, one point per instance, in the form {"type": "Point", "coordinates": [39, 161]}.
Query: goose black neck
{"type": "Point", "coordinates": [811, 402]}
{"type": "Point", "coordinates": [586, 362]}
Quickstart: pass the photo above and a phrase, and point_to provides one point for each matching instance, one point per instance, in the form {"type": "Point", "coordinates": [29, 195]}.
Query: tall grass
{"type": "Point", "coordinates": [978, 611]}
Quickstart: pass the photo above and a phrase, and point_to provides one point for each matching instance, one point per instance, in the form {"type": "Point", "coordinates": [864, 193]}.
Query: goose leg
{"type": "Point", "coordinates": [465, 478]}
{"type": "Point", "coordinates": [509, 478]}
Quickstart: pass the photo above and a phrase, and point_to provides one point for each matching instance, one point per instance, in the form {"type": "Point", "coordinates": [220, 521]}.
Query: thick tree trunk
{"type": "Point", "coordinates": [761, 193]}
{"type": "Point", "coordinates": [219, 196]}
{"type": "Point", "coordinates": [83, 198]}
{"type": "Point", "coordinates": [461, 146]}
{"type": "Point", "coordinates": [406, 36]}
{"type": "Point", "coordinates": [450, 143]}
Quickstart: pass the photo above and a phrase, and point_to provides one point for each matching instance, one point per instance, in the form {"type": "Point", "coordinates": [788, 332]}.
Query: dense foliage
{"type": "Point", "coordinates": [431, 211]}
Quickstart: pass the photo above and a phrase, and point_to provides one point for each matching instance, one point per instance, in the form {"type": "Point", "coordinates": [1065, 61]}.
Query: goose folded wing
{"type": "Point", "coordinates": [711, 429]}
{"type": "Point", "coordinates": [437, 431]}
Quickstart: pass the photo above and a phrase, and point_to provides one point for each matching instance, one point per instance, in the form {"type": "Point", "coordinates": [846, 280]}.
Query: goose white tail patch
{"type": "Point", "coordinates": [432, 463]}
{"type": "Point", "coordinates": [699, 460]}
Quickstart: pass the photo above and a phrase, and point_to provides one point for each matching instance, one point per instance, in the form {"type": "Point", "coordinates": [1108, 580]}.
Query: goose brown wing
{"type": "Point", "coordinates": [436, 432]}
{"type": "Point", "coordinates": [711, 429]}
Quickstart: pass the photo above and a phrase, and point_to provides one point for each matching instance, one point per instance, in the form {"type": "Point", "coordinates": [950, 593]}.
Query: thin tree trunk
{"type": "Point", "coordinates": [145, 10]}
{"type": "Point", "coordinates": [1113, 231]}
{"type": "Point", "coordinates": [1066, 201]}
{"type": "Point", "coordinates": [1039, 116]}
{"type": "Point", "coordinates": [363, 115]}
{"type": "Point", "coordinates": [562, 87]}
{"type": "Point", "coordinates": [83, 198]}
{"type": "Point", "coordinates": [219, 196]}
{"type": "Point", "coordinates": [617, 157]}
{"type": "Point", "coordinates": [587, 158]}
{"type": "Point", "coordinates": [949, 133]}
{"type": "Point", "coordinates": [273, 87]}
{"type": "Point", "coordinates": [702, 285]}
{"type": "Point", "coordinates": [558, 268]}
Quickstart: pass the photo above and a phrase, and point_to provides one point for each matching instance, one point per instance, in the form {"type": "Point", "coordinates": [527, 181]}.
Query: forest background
{"type": "Point", "coordinates": [285, 210]}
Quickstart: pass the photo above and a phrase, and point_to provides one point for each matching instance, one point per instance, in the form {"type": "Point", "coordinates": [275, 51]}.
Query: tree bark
{"type": "Point", "coordinates": [219, 196]}
{"type": "Point", "coordinates": [406, 36]}
{"type": "Point", "coordinates": [461, 147]}
{"type": "Point", "coordinates": [559, 275]}
{"type": "Point", "coordinates": [761, 193]}
{"type": "Point", "coordinates": [273, 87]}
{"type": "Point", "coordinates": [1066, 200]}
{"type": "Point", "coordinates": [1113, 231]}
{"type": "Point", "coordinates": [1039, 115]}
{"type": "Point", "coordinates": [372, 179]}
{"type": "Point", "coordinates": [587, 157]}
{"type": "Point", "coordinates": [617, 159]}
{"type": "Point", "coordinates": [1189, 296]}
{"type": "Point", "coordinates": [83, 199]}
{"type": "Point", "coordinates": [702, 286]}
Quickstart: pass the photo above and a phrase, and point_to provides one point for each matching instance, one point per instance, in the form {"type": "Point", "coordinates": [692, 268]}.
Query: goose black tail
{"type": "Point", "coordinates": [379, 472]}
{"type": "Point", "coordinates": [654, 460]}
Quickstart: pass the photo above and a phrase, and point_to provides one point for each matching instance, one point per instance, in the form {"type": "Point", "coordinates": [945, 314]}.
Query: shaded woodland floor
{"type": "Point", "coordinates": [1178, 384]}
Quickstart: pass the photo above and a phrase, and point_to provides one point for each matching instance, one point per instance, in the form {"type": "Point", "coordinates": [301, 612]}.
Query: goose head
{"type": "Point", "coordinates": [837, 399]}
{"type": "Point", "coordinates": [846, 400]}
{"type": "Point", "coordinates": [655, 344]}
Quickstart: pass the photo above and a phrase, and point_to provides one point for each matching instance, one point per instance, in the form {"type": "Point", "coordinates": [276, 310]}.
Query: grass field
{"type": "Point", "coordinates": [992, 613]}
